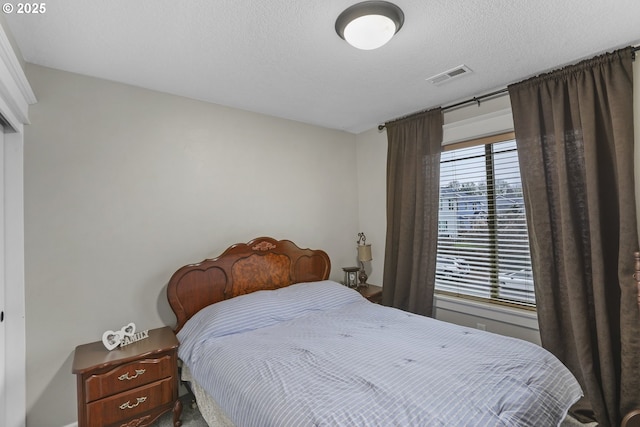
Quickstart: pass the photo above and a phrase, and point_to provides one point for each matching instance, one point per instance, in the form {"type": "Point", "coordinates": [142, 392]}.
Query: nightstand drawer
{"type": "Point", "coordinates": [372, 292]}
{"type": "Point", "coordinates": [130, 386]}
{"type": "Point", "coordinates": [127, 377]}
{"type": "Point", "coordinates": [129, 404]}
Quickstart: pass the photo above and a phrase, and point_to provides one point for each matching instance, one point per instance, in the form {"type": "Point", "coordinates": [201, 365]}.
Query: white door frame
{"type": "Point", "coordinates": [15, 97]}
{"type": "Point", "coordinates": [3, 305]}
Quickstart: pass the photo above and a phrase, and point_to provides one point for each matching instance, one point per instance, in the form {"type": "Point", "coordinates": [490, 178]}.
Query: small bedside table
{"type": "Point", "coordinates": [371, 292]}
{"type": "Point", "coordinates": [128, 386]}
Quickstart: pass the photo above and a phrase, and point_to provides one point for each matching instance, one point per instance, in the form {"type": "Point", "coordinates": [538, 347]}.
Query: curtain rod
{"type": "Point", "coordinates": [477, 99]}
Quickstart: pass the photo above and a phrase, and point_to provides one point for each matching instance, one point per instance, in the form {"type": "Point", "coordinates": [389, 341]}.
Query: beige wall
{"type": "Point", "coordinates": [123, 186]}
{"type": "Point", "coordinates": [372, 190]}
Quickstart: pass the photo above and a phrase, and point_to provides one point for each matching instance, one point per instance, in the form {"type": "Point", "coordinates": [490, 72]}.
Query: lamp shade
{"type": "Point", "coordinates": [370, 24]}
{"type": "Point", "coordinates": [364, 253]}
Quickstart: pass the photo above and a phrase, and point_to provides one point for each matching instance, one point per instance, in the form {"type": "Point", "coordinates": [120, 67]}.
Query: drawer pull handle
{"type": "Point", "coordinates": [128, 405]}
{"type": "Point", "coordinates": [128, 378]}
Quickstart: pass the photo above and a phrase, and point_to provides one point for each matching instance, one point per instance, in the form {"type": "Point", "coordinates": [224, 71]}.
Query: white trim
{"type": "Point", "coordinates": [18, 92]}
{"type": "Point", "coordinates": [15, 97]}
{"type": "Point", "coordinates": [71, 425]}
{"type": "Point", "coordinates": [494, 123]}
{"type": "Point", "coordinates": [512, 316]}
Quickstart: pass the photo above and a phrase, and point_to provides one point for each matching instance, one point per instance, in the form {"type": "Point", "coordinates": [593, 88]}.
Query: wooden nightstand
{"type": "Point", "coordinates": [128, 386]}
{"type": "Point", "coordinates": [372, 292]}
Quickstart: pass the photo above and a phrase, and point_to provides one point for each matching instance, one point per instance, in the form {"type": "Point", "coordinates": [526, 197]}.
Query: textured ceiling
{"type": "Point", "coordinates": [283, 57]}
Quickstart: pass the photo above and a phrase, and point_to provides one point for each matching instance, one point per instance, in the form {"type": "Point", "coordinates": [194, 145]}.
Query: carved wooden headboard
{"type": "Point", "coordinates": [262, 263]}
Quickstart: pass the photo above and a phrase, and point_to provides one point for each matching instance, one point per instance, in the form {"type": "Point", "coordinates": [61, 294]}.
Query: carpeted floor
{"type": "Point", "coordinates": [190, 416]}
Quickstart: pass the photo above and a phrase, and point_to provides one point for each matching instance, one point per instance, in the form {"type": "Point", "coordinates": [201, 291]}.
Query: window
{"type": "Point", "coordinates": [483, 245]}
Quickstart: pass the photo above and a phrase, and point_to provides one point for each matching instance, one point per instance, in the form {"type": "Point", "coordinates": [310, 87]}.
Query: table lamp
{"type": "Point", "coordinates": [364, 255]}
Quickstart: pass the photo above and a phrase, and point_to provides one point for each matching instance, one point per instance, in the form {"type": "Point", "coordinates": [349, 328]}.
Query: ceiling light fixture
{"type": "Point", "coordinates": [370, 24]}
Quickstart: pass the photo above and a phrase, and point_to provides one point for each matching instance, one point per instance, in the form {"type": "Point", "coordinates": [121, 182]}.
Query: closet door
{"type": "Point", "coordinates": [13, 390]}
{"type": "Point", "coordinates": [3, 299]}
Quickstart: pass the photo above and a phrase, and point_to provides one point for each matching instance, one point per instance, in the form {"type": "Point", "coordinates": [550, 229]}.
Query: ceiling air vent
{"type": "Point", "coordinates": [438, 79]}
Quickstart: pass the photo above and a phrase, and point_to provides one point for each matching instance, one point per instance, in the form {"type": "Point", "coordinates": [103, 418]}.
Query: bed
{"type": "Point", "coordinates": [267, 340]}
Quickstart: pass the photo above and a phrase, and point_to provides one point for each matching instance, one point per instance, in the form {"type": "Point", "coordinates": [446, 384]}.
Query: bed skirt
{"type": "Point", "coordinates": [211, 412]}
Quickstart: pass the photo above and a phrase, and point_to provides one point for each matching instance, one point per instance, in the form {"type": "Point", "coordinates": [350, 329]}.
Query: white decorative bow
{"type": "Point", "coordinates": [112, 339]}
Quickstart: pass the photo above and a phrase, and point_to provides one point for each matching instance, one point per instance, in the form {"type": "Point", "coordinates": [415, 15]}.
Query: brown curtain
{"type": "Point", "coordinates": [413, 185]}
{"type": "Point", "coordinates": [574, 131]}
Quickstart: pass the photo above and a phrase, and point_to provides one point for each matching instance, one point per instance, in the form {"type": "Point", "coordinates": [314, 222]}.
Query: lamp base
{"type": "Point", "coordinates": [362, 277]}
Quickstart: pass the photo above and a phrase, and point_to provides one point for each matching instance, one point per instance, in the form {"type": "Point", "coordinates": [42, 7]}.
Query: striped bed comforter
{"type": "Point", "coordinates": [318, 354]}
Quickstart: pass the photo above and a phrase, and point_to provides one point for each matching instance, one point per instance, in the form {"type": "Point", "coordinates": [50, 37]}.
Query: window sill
{"type": "Point", "coordinates": [509, 315]}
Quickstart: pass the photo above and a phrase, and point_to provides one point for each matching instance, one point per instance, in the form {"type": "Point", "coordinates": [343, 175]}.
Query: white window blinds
{"type": "Point", "coordinates": [483, 245]}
